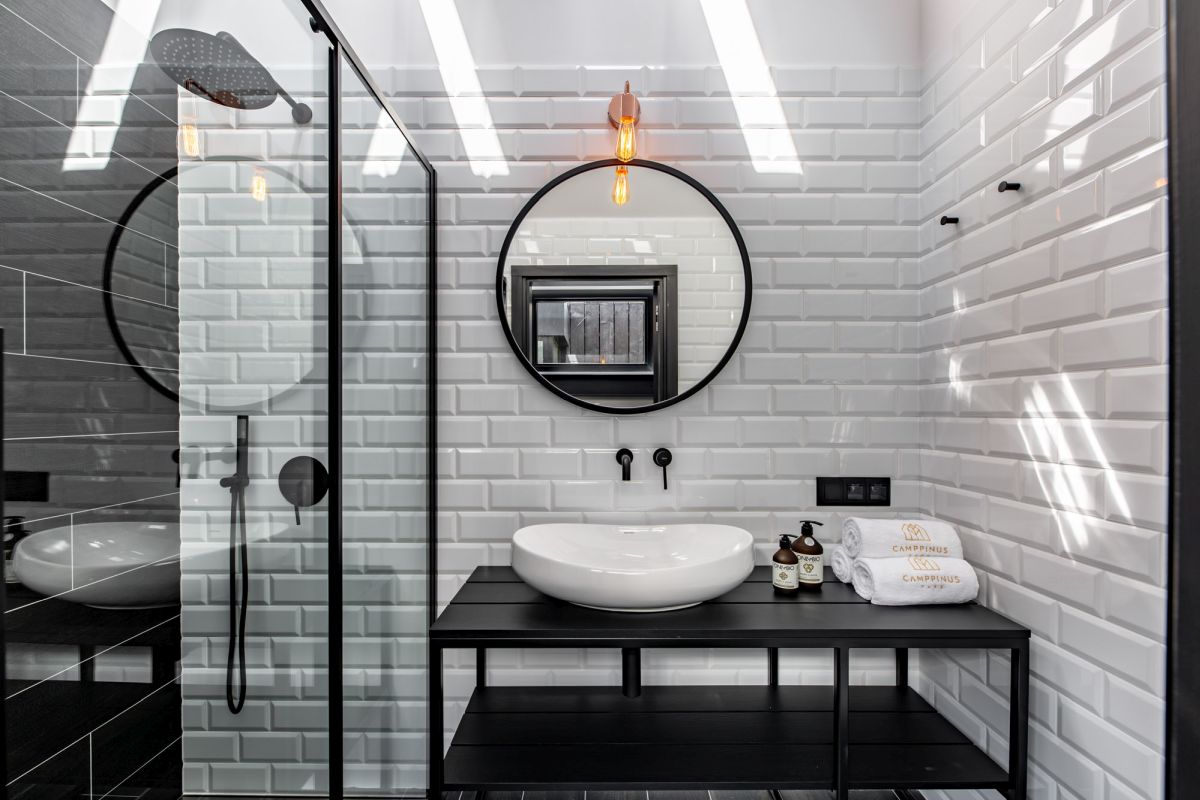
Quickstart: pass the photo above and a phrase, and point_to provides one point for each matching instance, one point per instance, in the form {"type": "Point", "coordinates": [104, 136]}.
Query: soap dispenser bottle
{"type": "Point", "coordinates": [784, 567]}
{"type": "Point", "coordinates": [809, 556]}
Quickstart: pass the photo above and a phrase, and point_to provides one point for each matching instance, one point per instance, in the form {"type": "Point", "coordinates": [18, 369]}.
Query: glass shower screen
{"type": "Point", "coordinates": [385, 457]}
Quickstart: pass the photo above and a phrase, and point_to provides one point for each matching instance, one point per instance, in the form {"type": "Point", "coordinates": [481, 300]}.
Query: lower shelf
{"type": "Point", "coordinates": [707, 737]}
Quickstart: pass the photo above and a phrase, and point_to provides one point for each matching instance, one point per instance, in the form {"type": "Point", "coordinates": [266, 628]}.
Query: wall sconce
{"type": "Point", "coordinates": [624, 113]}
{"type": "Point", "coordinates": [620, 193]}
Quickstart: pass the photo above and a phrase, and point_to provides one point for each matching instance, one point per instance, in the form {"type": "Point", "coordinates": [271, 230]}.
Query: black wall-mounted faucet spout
{"type": "Point", "coordinates": [625, 458]}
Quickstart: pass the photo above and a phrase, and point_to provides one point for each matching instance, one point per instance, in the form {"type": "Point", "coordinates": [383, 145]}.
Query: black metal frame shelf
{"type": "Point", "coordinates": [717, 737]}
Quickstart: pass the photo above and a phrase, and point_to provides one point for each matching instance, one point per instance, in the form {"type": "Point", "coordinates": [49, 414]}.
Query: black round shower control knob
{"type": "Point", "coordinates": [948, 220]}
{"type": "Point", "coordinates": [1008, 186]}
{"type": "Point", "coordinates": [303, 482]}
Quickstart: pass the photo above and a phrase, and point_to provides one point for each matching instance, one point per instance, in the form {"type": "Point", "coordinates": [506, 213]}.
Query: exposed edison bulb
{"type": "Point", "coordinates": [620, 193]}
{"type": "Point", "coordinates": [626, 139]}
{"type": "Point", "coordinates": [258, 187]}
{"type": "Point", "coordinates": [189, 138]}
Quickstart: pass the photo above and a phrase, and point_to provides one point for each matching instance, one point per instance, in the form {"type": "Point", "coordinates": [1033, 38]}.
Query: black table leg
{"type": "Point", "coordinates": [480, 667]}
{"type": "Point", "coordinates": [437, 734]}
{"type": "Point", "coordinates": [902, 666]}
{"type": "Point", "coordinates": [87, 663]}
{"type": "Point", "coordinates": [631, 671]}
{"type": "Point", "coordinates": [772, 666]}
{"type": "Point", "coordinates": [162, 665]}
{"type": "Point", "coordinates": [1018, 723]}
{"type": "Point", "coordinates": [841, 708]}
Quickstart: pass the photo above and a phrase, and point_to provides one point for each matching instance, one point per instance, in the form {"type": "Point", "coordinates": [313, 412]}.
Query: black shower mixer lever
{"type": "Point", "coordinates": [303, 482]}
{"type": "Point", "coordinates": [662, 457]}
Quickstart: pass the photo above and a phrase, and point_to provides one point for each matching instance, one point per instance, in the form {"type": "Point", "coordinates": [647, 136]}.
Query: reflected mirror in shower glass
{"type": "Point", "coordinates": [143, 274]}
{"type": "Point", "coordinates": [624, 307]}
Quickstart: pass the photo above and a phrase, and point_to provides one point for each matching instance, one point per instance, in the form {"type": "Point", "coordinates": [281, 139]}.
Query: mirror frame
{"type": "Point", "coordinates": [746, 302]}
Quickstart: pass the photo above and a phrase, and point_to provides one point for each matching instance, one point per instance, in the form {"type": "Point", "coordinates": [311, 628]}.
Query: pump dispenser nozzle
{"type": "Point", "coordinates": [810, 556]}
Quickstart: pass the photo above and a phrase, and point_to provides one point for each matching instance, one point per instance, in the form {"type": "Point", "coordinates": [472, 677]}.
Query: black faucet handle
{"type": "Point", "coordinates": [662, 457]}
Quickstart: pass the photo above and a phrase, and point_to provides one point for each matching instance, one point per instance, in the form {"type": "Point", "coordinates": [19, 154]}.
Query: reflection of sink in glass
{"type": "Point", "coordinates": [633, 567]}
{"type": "Point", "coordinates": [112, 565]}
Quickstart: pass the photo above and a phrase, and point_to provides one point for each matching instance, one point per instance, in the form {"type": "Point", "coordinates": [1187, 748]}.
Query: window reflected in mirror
{"type": "Point", "coordinates": [609, 337]}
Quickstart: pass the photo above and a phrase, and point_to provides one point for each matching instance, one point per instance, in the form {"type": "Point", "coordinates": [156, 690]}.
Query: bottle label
{"type": "Point", "coordinates": [811, 569]}
{"type": "Point", "coordinates": [784, 576]}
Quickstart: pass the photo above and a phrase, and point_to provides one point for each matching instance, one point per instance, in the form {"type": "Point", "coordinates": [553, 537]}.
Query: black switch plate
{"type": "Point", "coordinates": [854, 491]}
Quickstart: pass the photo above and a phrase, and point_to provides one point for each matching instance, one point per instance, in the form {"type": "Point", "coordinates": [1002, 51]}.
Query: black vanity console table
{"type": "Point", "coordinates": [838, 737]}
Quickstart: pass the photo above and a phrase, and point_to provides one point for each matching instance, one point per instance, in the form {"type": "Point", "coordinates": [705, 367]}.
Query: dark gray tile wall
{"type": "Point", "coordinates": [73, 406]}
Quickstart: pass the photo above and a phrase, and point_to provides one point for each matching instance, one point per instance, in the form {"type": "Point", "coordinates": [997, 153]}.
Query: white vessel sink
{"type": "Point", "coordinates": [633, 567]}
{"type": "Point", "coordinates": [111, 565]}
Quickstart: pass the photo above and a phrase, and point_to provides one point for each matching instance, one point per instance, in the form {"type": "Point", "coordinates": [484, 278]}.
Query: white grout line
{"type": "Point", "coordinates": [58, 753]}
{"type": "Point", "coordinates": [101, 508]}
{"type": "Point", "coordinates": [139, 769]}
{"type": "Point", "coordinates": [93, 657]}
{"type": "Point", "coordinates": [101, 217]}
{"type": "Point", "coordinates": [114, 505]}
{"type": "Point", "coordinates": [26, 272]}
{"type": "Point", "coordinates": [156, 563]}
{"type": "Point", "coordinates": [59, 123]}
{"type": "Point", "coordinates": [87, 436]}
{"type": "Point", "coordinates": [95, 361]}
{"type": "Point", "coordinates": [79, 60]}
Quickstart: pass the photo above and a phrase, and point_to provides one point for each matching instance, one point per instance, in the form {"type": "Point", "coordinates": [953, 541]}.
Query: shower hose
{"type": "Point", "coordinates": [239, 567]}
{"type": "Point", "coordinates": [239, 550]}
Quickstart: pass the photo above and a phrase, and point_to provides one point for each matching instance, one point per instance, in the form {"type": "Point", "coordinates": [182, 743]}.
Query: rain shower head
{"type": "Point", "coordinates": [217, 68]}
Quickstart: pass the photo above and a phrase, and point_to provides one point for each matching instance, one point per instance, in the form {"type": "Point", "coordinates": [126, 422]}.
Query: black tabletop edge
{"type": "Point", "coordinates": [748, 616]}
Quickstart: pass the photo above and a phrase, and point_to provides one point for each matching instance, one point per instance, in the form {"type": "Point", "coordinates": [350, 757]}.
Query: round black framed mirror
{"type": "Point", "coordinates": [141, 286]}
{"type": "Point", "coordinates": [624, 288]}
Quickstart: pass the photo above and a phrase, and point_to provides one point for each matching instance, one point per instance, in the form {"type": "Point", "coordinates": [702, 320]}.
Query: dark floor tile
{"type": "Point", "coordinates": [808, 794]}
{"type": "Point", "coordinates": [678, 795]}
{"type": "Point", "coordinates": [550, 796]}
{"type": "Point", "coordinates": [613, 796]}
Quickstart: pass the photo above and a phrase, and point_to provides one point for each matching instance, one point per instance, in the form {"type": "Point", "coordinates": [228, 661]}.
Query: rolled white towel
{"type": "Point", "coordinates": [843, 564]}
{"type": "Point", "coordinates": [890, 538]}
{"type": "Point", "coordinates": [915, 580]}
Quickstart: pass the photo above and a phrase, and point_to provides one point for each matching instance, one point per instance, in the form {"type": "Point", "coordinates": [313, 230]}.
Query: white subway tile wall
{"type": "Point", "coordinates": [826, 380]}
{"type": "Point", "coordinates": [1008, 372]}
{"type": "Point", "coordinates": [1043, 375]}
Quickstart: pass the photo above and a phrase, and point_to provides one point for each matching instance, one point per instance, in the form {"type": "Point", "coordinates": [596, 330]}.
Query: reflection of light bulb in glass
{"type": "Point", "coordinates": [189, 138]}
{"type": "Point", "coordinates": [626, 139]}
{"type": "Point", "coordinates": [258, 187]}
{"type": "Point", "coordinates": [620, 193]}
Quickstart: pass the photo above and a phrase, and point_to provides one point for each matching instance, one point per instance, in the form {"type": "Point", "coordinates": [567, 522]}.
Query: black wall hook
{"type": "Point", "coordinates": [948, 220]}
{"type": "Point", "coordinates": [1008, 186]}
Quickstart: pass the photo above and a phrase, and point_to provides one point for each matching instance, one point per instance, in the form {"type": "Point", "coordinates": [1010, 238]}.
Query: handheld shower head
{"type": "Point", "coordinates": [217, 68]}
